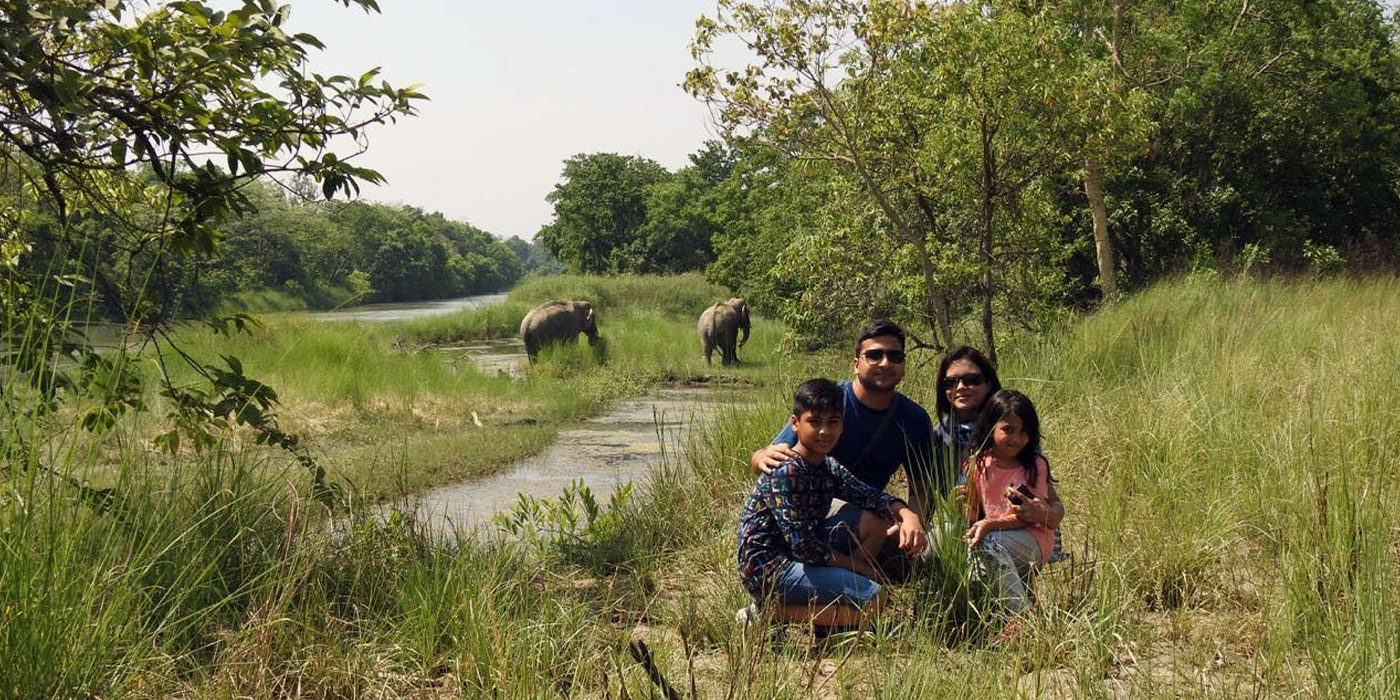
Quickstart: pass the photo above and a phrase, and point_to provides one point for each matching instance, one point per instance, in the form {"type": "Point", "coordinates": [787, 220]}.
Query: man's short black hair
{"type": "Point", "coordinates": [877, 328]}
{"type": "Point", "coordinates": [817, 396]}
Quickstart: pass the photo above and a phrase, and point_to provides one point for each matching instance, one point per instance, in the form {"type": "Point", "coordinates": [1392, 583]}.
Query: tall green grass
{"type": "Point", "coordinates": [1223, 449]}
{"type": "Point", "coordinates": [1227, 448]}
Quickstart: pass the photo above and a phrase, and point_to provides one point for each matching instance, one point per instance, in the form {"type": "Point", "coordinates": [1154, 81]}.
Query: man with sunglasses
{"type": "Point", "coordinates": [883, 429]}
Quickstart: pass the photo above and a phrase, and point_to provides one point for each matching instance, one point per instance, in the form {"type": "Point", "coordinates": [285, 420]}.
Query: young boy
{"type": "Point", "coordinates": [784, 553]}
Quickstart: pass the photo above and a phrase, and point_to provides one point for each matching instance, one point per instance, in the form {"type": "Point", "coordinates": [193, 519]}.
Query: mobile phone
{"type": "Point", "coordinates": [1020, 494]}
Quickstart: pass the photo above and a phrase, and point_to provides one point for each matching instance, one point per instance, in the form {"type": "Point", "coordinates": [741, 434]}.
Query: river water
{"type": "Point", "coordinates": [603, 452]}
{"type": "Point", "coordinates": [406, 310]}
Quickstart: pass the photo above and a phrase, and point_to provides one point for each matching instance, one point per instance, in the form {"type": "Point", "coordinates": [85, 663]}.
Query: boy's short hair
{"type": "Point", "coordinates": [818, 395]}
{"type": "Point", "coordinates": [877, 328]}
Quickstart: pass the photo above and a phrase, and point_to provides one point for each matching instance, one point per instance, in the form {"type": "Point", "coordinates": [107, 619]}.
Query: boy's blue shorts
{"type": "Point", "coordinates": [799, 584]}
{"type": "Point", "coordinates": [844, 525]}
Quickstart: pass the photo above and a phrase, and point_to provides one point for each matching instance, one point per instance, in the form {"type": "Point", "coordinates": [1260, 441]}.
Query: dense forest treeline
{"type": "Point", "coordinates": [996, 163]}
{"type": "Point", "coordinates": [294, 248]}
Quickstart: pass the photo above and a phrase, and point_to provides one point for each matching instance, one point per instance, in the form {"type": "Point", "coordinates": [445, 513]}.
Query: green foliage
{"type": "Point", "coordinates": [533, 257]}
{"type": "Point", "coordinates": [615, 214]}
{"type": "Point", "coordinates": [1323, 259]}
{"type": "Point", "coordinates": [599, 207]}
{"type": "Point", "coordinates": [936, 128]}
{"type": "Point", "coordinates": [963, 136]}
{"type": "Point", "coordinates": [1272, 127]}
{"type": "Point", "coordinates": [131, 132]}
{"type": "Point", "coordinates": [573, 527]}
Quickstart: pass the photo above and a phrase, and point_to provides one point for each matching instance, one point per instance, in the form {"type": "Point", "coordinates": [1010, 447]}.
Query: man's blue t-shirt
{"type": "Point", "coordinates": [907, 440]}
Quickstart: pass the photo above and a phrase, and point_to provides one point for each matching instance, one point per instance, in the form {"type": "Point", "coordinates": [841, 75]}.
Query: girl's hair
{"type": "Point", "coordinates": [963, 352]}
{"type": "Point", "coordinates": [1000, 404]}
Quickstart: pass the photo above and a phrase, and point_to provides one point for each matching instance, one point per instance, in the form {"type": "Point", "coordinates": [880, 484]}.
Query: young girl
{"type": "Point", "coordinates": [1011, 500]}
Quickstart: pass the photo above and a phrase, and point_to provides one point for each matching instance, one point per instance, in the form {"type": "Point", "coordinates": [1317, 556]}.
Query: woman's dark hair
{"type": "Point", "coordinates": [1000, 404]}
{"type": "Point", "coordinates": [817, 396]}
{"type": "Point", "coordinates": [963, 352]}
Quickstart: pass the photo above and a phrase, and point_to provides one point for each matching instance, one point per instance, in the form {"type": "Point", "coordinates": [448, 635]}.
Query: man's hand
{"type": "Point", "coordinates": [763, 461]}
{"type": "Point", "coordinates": [912, 539]}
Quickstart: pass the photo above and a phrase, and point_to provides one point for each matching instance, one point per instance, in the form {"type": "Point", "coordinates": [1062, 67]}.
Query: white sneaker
{"type": "Point", "coordinates": [747, 614]}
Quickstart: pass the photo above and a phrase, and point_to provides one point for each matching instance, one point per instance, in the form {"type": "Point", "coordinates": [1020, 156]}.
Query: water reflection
{"type": "Point", "coordinates": [501, 356]}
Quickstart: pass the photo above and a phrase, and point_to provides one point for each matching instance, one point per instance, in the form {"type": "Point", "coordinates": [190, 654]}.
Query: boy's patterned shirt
{"type": "Point", "coordinates": [782, 519]}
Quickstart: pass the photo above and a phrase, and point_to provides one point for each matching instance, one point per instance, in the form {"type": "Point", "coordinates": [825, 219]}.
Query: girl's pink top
{"type": "Point", "coordinates": [994, 480]}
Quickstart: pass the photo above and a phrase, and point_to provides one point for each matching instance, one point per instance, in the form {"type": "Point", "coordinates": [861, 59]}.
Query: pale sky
{"type": "Point", "coordinates": [515, 88]}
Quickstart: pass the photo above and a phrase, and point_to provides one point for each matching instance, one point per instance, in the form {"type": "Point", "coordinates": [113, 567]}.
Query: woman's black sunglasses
{"type": "Point", "coordinates": [951, 382]}
{"type": "Point", "coordinates": [875, 355]}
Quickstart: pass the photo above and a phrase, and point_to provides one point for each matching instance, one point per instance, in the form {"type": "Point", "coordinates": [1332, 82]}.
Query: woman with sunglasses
{"type": "Point", "coordinates": [966, 378]}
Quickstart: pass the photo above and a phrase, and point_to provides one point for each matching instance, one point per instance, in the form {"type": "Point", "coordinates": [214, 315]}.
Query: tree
{"type": "Point", "coordinates": [900, 98]}
{"type": "Point", "coordinates": [133, 129]}
{"type": "Point", "coordinates": [1250, 130]}
{"type": "Point", "coordinates": [680, 223]}
{"type": "Point", "coordinates": [599, 210]}
{"type": "Point", "coordinates": [818, 89]}
{"type": "Point", "coordinates": [532, 256]}
{"type": "Point", "coordinates": [998, 90]}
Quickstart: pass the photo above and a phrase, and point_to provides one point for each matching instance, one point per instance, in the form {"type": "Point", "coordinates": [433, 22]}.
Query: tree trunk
{"type": "Point", "coordinates": [989, 182]}
{"type": "Point", "coordinates": [936, 313]}
{"type": "Point", "coordinates": [1103, 247]}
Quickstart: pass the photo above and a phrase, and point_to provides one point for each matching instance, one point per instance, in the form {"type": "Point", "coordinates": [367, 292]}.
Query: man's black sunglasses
{"type": "Point", "coordinates": [875, 355]}
{"type": "Point", "coordinates": [951, 382]}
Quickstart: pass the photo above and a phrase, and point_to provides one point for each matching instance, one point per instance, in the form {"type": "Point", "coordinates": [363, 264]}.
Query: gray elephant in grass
{"type": "Point", "coordinates": [557, 322]}
{"type": "Point", "coordinates": [719, 328]}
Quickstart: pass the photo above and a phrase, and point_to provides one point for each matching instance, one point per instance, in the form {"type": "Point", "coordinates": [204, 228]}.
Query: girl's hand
{"type": "Point", "coordinates": [1035, 510]}
{"type": "Point", "coordinates": [978, 530]}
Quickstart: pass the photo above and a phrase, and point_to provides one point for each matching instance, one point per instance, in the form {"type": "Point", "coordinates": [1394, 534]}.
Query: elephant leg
{"type": "Point", "coordinates": [726, 344]}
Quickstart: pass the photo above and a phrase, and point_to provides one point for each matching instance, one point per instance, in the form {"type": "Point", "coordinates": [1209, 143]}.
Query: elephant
{"type": "Point", "coordinates": [557, 322]}
{"type": "Point", "coordinates": [719, 327]}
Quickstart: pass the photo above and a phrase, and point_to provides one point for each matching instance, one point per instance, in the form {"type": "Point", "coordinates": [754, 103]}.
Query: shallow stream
{"type": "Point", "coordinates": [604, 452]}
